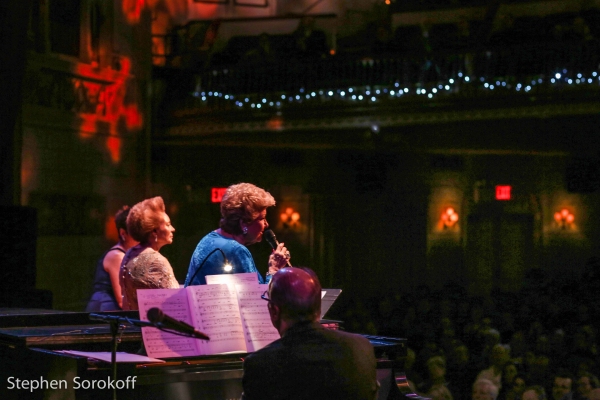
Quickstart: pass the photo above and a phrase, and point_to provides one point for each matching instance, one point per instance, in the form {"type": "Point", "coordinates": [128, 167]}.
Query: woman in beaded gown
{"type": "Point", "coordinates": [143, 267]}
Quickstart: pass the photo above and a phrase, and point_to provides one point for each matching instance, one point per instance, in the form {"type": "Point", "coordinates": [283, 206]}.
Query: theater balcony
{"type": "Point", "coordinates": [346, 93]}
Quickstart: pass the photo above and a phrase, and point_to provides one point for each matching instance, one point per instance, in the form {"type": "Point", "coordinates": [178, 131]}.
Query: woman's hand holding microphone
{"type": "Point", "coordinates": [280, 257]}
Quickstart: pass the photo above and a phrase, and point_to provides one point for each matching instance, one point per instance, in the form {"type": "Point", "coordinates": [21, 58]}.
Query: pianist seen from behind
{"type": "Point", "coordinates": [308, 361]}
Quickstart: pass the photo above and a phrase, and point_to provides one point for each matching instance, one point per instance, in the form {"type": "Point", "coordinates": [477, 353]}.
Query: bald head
{"type": "Point", "coordinates": [296, 292]}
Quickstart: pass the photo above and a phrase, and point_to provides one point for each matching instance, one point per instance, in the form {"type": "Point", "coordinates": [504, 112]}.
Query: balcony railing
{"type": "Point", "coordinates": [528, 69]}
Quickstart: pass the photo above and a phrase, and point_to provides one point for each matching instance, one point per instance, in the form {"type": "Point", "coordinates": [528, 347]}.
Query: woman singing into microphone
{"type": "Point", "coordinates": [243, 221]}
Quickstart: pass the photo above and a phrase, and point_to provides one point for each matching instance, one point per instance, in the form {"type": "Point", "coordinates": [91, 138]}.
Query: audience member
{"type": "Point", "coordinates": [201, 43]}
{"type": "Point", "coordinates": [562, 385]}
{"type": "Point", "coordinates": [461, 372]}
{"type": "Point", "coordinates": [586, 382]}
{"type": "Point", "coordinates": [465, 46]}
{"type": "Point", "coordinates": [534, 393]}
{"type": "Point", "coordinates": [518, 346]}
{"type": "Point", "coordinates": [517, 389]}
{"type": "Point", "coordinates": [509, 373]}
{"type": "Point", "coordinates": [498, 358]}
{"type": "Point", "coordinates": [594, 394]}
{"type": "Point", "coordinates": [539, 370]}
{"type": "Point", "coordinates": [435, 386]}
{"type": "Point", "coordinates": [484, 389]}
{"type": "Point", "coordinates": [412, 376]}
{"type": "Point", "coordinates": [430, 69]}
{"type": "Point", "coordinates": [262, 55]}
{"type": "Point", "coordinates": [382, 44]}
{"type": "Point", "coordinates": [558, 348]}
{"type": "Point", "coordinates": [311, 43]}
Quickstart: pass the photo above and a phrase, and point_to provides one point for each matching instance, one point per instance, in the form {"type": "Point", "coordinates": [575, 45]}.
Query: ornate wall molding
{"type": "Point", "coordinates": [199, 127]}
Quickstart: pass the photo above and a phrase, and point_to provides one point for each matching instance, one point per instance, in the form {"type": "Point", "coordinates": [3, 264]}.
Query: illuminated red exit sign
{"type": "Point", "coordinates": [503, 192]}
{"type": "Point", "coordinates": [216, 194]}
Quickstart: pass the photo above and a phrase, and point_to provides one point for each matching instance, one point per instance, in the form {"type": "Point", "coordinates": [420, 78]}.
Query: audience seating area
{"type": "Point", "coordinates": [548, 328]}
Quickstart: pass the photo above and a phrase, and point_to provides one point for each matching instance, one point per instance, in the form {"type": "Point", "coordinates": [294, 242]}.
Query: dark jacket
{"type": "Point", "coordinates": [311, 362]}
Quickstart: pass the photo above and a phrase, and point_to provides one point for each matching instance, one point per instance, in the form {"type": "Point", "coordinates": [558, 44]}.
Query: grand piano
{"type": "Point", "coordinates": [32, 341]}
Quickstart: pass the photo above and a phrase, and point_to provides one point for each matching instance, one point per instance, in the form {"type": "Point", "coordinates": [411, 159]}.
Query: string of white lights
{"type": "Point", "coordinates": [374, 94]}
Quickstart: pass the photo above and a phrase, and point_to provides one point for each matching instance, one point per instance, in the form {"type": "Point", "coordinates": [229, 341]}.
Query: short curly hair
{"type": "Point", "coordinates": [144, 217]}
{"type": "Point", "coordinates": [242, 202]}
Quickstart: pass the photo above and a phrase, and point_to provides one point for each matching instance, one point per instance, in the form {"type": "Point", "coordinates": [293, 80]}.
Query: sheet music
{"type": "Point", "coordinates": [174, 303]}
{"type": "Point", "coordinates": [232, 279]}
{"type": "Point", "coordinates": [216, 313]}
{"type": "Point", "coordinates": [258, 329]}
{"type": "Point", "coordinates": [121, 357]}
{"type": "Point", "coordinates": [328, 297]}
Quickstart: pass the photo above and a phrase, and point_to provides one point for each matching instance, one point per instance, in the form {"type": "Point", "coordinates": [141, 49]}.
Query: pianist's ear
{"type": "Point", "coordinates": [274, 312]}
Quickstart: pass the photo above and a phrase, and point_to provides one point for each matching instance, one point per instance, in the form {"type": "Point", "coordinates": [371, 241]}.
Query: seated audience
{"type": "Point", "coordinates": [461, 372]}
{"type": "Point", "coordinates": [262, 55]}
{"type": "Point", "coordinates": [509, 374]}
{"type": "Point", "coordinates": [484, 389]}
{"type": "Point", "coordinates": [586, 382]}
{"type": "Point", "coordinates": [562, 386]}
{"type": "Point", "coordinates": [435, 386]}
{"type": "Point", "coordinates": [517, 389]}
{"type": "Point", "coordinates": [310, 43]}
{"type": "Point", "coordinates": [534, 393]}
{"type": "Point", "coordinates": [594, 394]}
{"type": "Point", "coordinates": [499, 356]}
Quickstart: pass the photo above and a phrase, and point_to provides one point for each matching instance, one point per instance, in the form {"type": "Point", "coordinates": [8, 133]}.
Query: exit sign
{"type": "Point", "coordinates": [503, 192]}
{"type": "Point", "coordinates": [216, 194]}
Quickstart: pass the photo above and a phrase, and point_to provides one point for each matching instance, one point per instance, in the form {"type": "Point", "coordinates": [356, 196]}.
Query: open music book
{"type": "Point", "coordinates": [228, 309]}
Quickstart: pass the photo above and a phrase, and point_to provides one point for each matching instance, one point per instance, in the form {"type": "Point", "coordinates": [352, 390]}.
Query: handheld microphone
{"type": "Point", "coordinates": [269, 236]}
{"type": "Point", "coordinates": [156, 316]}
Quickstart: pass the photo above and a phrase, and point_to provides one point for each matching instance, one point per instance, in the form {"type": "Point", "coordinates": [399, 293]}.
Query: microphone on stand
{"type": "Point", "coordinates": [162, 320]}
{"type": "Point", "coordinates": [269, 236]}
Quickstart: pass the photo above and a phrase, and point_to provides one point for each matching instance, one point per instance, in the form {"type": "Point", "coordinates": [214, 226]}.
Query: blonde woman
{"type": "Point", "coordinates": [143, 266]}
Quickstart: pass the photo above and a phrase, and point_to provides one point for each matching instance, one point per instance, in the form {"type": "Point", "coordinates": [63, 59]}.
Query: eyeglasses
{"type": "Point", "coordinates": [265, 296]}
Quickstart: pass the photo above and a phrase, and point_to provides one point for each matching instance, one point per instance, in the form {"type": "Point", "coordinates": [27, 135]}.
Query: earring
{"type": "Point", "coordinates": [156, 238]}
{"type": "Point", "coordinates": [245, 230]}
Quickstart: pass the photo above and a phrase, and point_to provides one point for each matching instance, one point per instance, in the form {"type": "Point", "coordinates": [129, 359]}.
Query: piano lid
{"type": "Point", "coordinates": [16, 317]}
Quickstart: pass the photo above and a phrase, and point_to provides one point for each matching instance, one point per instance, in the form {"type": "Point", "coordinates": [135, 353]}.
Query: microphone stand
{"type": "Point", "coordinates": [115, 322]}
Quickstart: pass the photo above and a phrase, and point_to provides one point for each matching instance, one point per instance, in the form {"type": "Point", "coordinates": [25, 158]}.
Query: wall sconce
{"type": "Point", "coordinates": [564, 218]}
{"type": "Point", "coordinates": [290, 218]}
{"type": "Point", "coordinates": [449, 218]}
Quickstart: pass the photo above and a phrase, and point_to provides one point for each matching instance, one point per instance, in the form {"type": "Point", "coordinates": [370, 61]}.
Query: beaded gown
{"type": "Point", "coordinates": [144, 268]}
